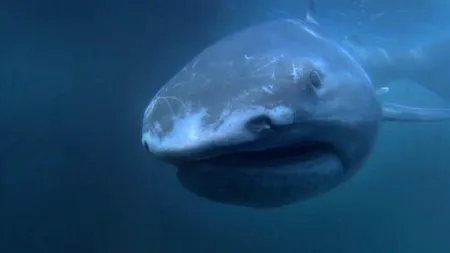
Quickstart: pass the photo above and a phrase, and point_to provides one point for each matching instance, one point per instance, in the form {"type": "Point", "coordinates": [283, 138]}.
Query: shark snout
{"type": "Point", "coordinates": [196, 135]}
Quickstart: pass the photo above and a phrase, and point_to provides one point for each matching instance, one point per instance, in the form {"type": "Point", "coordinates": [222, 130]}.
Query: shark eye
{"type": "Point", "coordinates": [315, 78]}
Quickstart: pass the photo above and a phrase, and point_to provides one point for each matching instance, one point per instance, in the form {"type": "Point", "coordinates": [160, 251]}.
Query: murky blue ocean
{"type": "Point", "coordinates": [76, 77]}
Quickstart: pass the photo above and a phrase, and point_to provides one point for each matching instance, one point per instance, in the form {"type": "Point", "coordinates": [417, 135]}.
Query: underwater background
{"type": "Point", "coordinates": [76, 76]}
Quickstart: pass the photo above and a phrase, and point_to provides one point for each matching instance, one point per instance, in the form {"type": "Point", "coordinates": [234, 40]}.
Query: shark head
{"type": "Point", "coordinates": [271, 115]}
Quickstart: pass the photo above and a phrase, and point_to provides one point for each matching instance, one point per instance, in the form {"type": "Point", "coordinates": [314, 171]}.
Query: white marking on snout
{"type": "Point", "coordinates": [295, 72]}
{"type": "Point", "coordinates": [268, 88]}
{"type": "Point", "coordinates": [273, 76]}
{"type": "Point", "coordinates": [248, 57]}
{"type": "Point", "coordinates": [157, 127]}
{"type": "Point", "coordinates": [189, 132]}
{"type": "Point", "coordinates": [274, 60]}
{"type": "Point", "coordinates": [156, 99]}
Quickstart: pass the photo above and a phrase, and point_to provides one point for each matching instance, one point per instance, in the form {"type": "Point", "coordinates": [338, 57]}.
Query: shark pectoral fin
{"type": "Point", "coordinates": [398, 112]}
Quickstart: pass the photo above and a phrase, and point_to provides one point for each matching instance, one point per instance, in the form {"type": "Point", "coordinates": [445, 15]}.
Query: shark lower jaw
{"type": "Point", "coordinates": [265, 179]}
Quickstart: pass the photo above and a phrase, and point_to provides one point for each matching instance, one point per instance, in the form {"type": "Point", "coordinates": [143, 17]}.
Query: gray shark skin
{"type": "Point", "coordinates": [426, 65]}
{"type": "Point", "coordinates": [269, 116]}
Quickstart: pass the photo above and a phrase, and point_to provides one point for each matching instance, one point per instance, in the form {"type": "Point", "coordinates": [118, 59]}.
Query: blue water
{"type": "Point", "coordinates": [76, 76]}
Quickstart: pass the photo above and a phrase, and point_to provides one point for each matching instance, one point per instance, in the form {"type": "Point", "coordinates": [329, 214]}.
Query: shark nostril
{"type": "Point", "coordinates": [144, 143]}
{"type": "Point", "coordinates": [259, 124]}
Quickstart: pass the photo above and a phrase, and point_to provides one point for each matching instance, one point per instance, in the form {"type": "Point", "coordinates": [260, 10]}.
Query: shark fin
{"type": "Point", "coordinates": [425, 65]}
{"type": "Point", "coordinates": [403, 113]}
{"type": "Point", "coordinates": [311, 12]}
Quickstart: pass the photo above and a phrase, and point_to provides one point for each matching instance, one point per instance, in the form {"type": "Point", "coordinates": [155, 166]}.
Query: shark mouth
{"type": "Point", "coordinates": [302, 154]}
